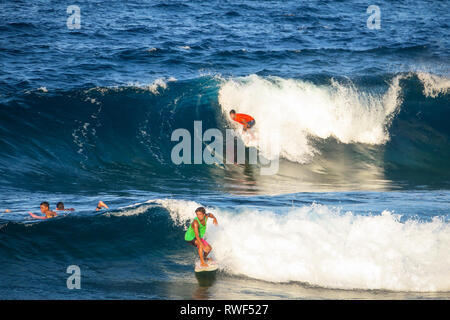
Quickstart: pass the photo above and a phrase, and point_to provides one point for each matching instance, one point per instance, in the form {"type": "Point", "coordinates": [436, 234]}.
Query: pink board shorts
{"type": "Point", "coordinates": [201, 239]}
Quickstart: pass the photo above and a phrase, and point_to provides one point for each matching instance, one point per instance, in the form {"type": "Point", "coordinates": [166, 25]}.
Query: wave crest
{"type": "Point", "coordinates": [296, 110]}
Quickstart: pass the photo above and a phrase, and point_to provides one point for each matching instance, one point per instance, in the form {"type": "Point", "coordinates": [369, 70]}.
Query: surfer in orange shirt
{"type": "Point", "coordinates": [244, 119]}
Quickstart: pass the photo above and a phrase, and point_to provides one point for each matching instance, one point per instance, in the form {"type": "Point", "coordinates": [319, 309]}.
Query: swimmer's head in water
{"type": "Point", "coordinates": [200, 212]}
{"type": "Point", "coordinates": [60, 206]}
{"type": "Point", "coordinates": [232, 114]}
{"type": "Point", "coordinates": [45, 206]}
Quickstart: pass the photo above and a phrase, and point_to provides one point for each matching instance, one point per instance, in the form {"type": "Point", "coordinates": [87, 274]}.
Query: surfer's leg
{"type": "Point", "coordinates": [206, 256]}
{"type": "Point", "coordinates": [207, 248]}
{"type": "Point", "coordinates": [200, 254]}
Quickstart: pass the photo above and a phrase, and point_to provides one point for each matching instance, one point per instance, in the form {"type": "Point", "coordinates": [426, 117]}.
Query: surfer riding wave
{"type": "Point", "coordinates": [196, 232]}
{"type": "Point", "coordinates": [247, 121]}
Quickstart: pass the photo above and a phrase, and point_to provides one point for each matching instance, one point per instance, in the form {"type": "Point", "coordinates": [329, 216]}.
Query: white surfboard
{"type": "Point", "coordinates": [212, 266]}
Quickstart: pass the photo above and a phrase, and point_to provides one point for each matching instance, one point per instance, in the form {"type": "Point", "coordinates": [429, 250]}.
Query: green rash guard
{"type": "Point", "coordinates": [190, 233]}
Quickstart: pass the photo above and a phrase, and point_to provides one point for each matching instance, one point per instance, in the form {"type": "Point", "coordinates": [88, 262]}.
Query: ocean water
{"type": "Point", "coordinates": [358, 207]}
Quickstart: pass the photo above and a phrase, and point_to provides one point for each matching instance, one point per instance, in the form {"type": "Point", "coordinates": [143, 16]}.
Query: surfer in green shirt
{"type": "Point", "coordinates": [196, 231]}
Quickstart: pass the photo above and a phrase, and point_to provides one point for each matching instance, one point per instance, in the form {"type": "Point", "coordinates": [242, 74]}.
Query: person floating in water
{"type": "Point", "coordinates": [45, 209]}
{"type": "Point", "coordinates": [244, 119]}
{"type": "Point", "coordinates": [60, 207]}
{"type": "Point", "coordinates": [196, 231]}
{"type": "Point", "coordinates": [101, 205]}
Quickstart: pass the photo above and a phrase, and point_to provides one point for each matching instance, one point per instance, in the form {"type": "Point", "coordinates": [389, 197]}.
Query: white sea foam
{"type": "Point", "coordinates": [434, 85]}
{"type": "Point", "coordinates": [295, 110]}
{"type": "Point", "coordinates": [158, 83]}
{"type": "Point", "coordinates": [325, 247]}
{"type": "Point", "coordinates": [155, 87]}
{"type": "Point", "coordinates": [181, 211]}
{"type": "Point", "coordinates": [131, 210]}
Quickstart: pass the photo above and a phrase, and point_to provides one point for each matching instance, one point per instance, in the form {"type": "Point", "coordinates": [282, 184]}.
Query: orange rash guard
{"type": "Point", "coordinates": [241, 117]}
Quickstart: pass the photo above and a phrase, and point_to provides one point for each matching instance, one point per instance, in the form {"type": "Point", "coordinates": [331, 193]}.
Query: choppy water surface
{"type": "Point", "coordinates": [358, 208]}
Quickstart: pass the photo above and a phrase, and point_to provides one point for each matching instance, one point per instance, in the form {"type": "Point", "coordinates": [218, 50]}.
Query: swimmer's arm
{"type": "Point", "coordinates": [35, 216]}
{"type": "Point", "coordinates": [210, 215]}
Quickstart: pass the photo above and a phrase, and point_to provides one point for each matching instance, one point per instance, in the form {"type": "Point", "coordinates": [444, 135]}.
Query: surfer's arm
{"type": "Point", "coordinates": [210, 215]}
{"type": "Point", "coordinates": [245, 124]}
{"type": "Point", "coordinates": [35, 216]}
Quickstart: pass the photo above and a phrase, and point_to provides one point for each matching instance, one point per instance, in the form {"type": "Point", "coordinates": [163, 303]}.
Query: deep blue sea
{"type": "Point", "coordinates": [356, 111]}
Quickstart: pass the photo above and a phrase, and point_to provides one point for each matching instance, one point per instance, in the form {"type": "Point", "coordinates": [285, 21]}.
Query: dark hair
{"type": "Point", "coordinates": [60, 205]}
{"type": "Point", "coordinates": [201, 209]}
{"type": "Point", "coordinates": [45, 204]}
{"type": "Point", "coordinates": [232, 111]}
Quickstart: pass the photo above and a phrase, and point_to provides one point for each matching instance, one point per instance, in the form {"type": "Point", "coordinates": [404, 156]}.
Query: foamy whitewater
{"type": "Point", "coordinates": [324, 246]}
{"type": "Point", "coordinates": [290, 112]}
